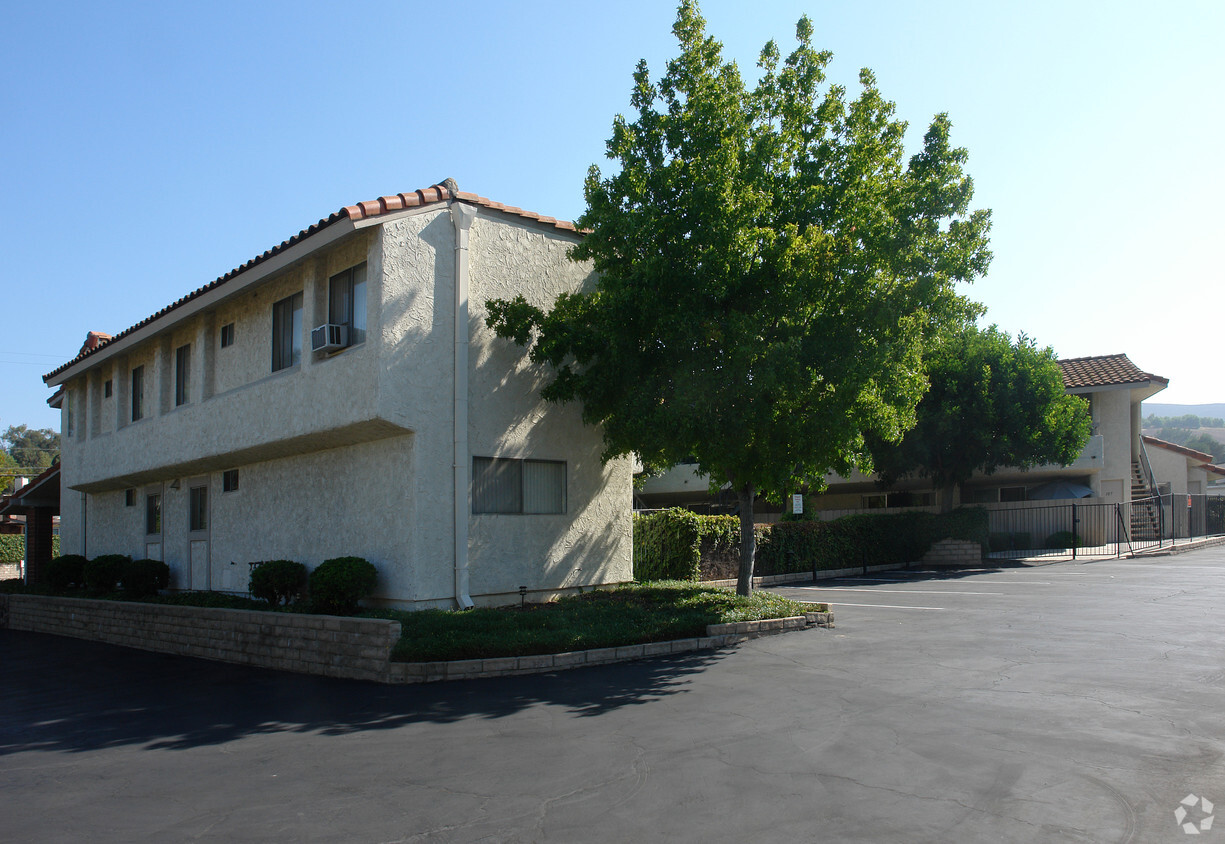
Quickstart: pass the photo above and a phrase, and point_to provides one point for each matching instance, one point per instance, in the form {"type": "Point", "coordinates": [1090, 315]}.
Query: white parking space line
{"type": "Point", "coordinates": [929, 580]}
{"type": "Point", "coordinates": [907, 591]}
{"type": "Point", "coordinates": [837, 604]}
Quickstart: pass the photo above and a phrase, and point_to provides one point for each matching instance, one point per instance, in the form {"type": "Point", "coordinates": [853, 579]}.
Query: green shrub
{"type": "Point", "coordinates": [278, 581]}
{"type": "Point", "coordinates": [143, 578]}
{"type": "Point", "coordinates": [12, 548]}
{"type": "Point", "coordinates": [337, 585]}
{"type": "Point", "coordinates": [102, 573]}
{"type": "Point", "coordinates": [12, 586]}
{"type": "Point", "coordinates": [669, 545]}
{"type": "Point", "coordinates": [63, 573]}
{"type": "Point", "coordinates": [1062, 539]}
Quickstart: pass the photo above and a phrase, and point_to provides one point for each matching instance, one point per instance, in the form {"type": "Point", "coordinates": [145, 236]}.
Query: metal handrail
{"type": "Point", "coordinates": [1147, 468]}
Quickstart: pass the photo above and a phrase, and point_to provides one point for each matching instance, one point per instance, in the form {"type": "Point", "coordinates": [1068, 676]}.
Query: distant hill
{"type": "Point", "coordinates": [1155, 408]}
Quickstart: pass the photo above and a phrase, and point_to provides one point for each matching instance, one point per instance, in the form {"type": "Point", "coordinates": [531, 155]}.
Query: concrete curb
{"type": "Point", "coordinates": [808, 576]}
{"type": "Point", "coordinates": [717, 636]}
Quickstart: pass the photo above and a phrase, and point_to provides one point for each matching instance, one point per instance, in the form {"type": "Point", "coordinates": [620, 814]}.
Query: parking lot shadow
{"type": "Point", "coordinates": [69, 695]}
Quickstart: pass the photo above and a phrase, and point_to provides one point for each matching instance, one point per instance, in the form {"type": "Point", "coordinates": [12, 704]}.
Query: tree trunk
{"type": "Point", "coordinates": [748, 541]}
{"type": "Point", "coordinates": [946, 498]}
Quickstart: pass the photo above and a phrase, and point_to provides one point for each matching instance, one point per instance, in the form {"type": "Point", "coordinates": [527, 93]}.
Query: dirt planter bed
{"type": "Point", "coordinates": [352, 648]}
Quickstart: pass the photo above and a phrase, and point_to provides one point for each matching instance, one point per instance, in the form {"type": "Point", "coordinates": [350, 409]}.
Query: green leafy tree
{"type": "Point", "coordinates": [8, 471]}
{"type": "Point", "coordinates": [1189, 421]}
{"type": "Point", "coordinates": [992, 402]}
{"type": "Point", "coordinates": [1208, 445]}
{"type": "Point", "coordinates": [771, 269]}
{"type": "Point", "coordinates": [31, 448]}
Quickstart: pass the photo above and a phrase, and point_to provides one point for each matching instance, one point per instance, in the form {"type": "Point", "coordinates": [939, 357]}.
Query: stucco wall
{"type": "Point", "coordinates": [352, 452]}
{"type": "Point", "coordinates": [415, 259]}
{"type": "Point", "coordinates": [1112, 415]}
{"type": "Point", "coordinates": [1170, 467]}
{"type": "Point", "coordinates": [592, 541]}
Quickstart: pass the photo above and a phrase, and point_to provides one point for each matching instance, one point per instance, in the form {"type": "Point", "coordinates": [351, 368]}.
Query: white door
{"type": "Point", "coordinates": [199, 564]}
{"type": "Point", "coordinates": [197, 527]}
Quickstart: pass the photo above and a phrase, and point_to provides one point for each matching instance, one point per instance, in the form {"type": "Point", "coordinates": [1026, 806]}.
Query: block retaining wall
{"type": "Point", "coordinates": [353, 648]}
{"type": "Point", "coordinates": [954, 552]}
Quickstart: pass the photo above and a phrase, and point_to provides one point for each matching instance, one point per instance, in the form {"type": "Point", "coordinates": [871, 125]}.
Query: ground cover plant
{"type": "Point", "coordinates": [628, 615]}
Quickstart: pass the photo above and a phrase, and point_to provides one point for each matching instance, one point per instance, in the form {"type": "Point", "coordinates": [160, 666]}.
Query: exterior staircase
{"type": "Point", "coordinates": [1145, 508]}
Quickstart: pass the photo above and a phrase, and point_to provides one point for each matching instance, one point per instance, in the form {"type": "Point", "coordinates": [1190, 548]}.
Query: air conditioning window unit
{"type": "Point", "coordinates": [327, 337]}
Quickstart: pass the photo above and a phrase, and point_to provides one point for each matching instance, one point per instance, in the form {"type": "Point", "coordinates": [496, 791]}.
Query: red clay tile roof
{"type": "Point", "coordinates": [363, 210]}
{"type": "Point", "coordinates": [1216, 470]}
{"type": "Point", "coordinates": [1104, 371]}
{"type": "Point", "coordinates": [92, 340]}
{"type": "Point", "coordinates": [1180, 449]}
{"type": "Point", "coordinates": [439, 193]}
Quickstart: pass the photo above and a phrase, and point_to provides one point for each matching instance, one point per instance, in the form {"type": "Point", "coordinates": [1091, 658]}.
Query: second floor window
{"type": "Point", "coordinates": [138, 393]}
{"type": "Point", "coordinates": [287, 332]}
{"type": "Point", "coordinates": [182, 369]}
{"type": "Point", "coordinates": [347, 302]}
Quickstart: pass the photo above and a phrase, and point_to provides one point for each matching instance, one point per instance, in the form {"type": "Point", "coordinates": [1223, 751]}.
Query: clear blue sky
{"type": "Point", "coordinates": [150, 147]}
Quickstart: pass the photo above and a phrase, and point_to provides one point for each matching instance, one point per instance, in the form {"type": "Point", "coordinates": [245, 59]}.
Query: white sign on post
{"type": "Point", "coordinates": [797, 504]}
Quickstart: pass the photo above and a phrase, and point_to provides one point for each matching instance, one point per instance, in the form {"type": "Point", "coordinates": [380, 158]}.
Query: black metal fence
{"type": "Point", "coordinates": [1098, 529]}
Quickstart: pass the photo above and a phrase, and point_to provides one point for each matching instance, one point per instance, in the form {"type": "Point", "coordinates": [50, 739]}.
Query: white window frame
{"type": "Point", "coordinates": [513, 486]}
{"type": "Point", "coordinates": [287, 332]}
{"type": "Point", "coordinates": [348, 302]}
{"type": "Point", "coordinates": [182, 375]}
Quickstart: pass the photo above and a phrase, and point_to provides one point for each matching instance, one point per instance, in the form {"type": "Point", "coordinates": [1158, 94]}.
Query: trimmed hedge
{"type": "Point", "coordinates": [13, 547]}
{"type": "Point", "coordinates": [338, 584]}
{"type": "Point", "coordinates": [866, 539]}
{"type": "Point", "coordinates": [669, 545]}
{"type": "Point", "coordinates": [102, 573]}
{"type": "Point", "coordinates": [143, 578]}
{"type": "Point", "coordinates": [63, 573]}
{"type": "Point", "coordinates": [278, 581]}
{"type": "Point", "coordinates": [677, 544]}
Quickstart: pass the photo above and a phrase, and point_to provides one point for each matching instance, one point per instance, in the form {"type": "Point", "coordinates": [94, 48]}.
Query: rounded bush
{"type": "Point", "coordinates": [64, 573]}
{"type": "Point", "coordinates": [278, 581]}
{"type": "Point", "coordinates": [102, 572]}
{"type": "Point", "coordinates": [338, 584]}
{"type": "Point", "coordinates": [143, 578]}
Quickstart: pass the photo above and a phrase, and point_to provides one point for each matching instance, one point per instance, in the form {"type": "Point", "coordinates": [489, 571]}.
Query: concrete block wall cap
{"type": "Point", "coordinates": [601, 655]}
{"type": "Point", "coordinates": [502, 663]}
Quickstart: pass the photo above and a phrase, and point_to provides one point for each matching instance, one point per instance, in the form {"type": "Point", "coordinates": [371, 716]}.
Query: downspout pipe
{"type": "Point", "coordinates": [462, 215]}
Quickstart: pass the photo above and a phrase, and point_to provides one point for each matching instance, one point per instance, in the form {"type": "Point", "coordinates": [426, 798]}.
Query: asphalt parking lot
{"type": "Point", "coordinates": [1070, 702]}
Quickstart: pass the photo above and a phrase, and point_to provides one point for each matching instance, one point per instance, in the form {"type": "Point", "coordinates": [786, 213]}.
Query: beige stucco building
{"type": "Point", "coordinates": [341, 395]}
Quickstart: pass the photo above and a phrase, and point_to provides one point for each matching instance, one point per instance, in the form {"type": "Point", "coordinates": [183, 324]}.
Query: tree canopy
{"type": "Point", "coordinates": [30, 448]}
{"type": "Point", "coordinates": [1205, 443]}
{"type": "Point", "coordinates": [770, 269]}
{"type": "Point", "coordinates": [1189, 421]}
{"type": "Point", "coordinates": [992, 402]}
